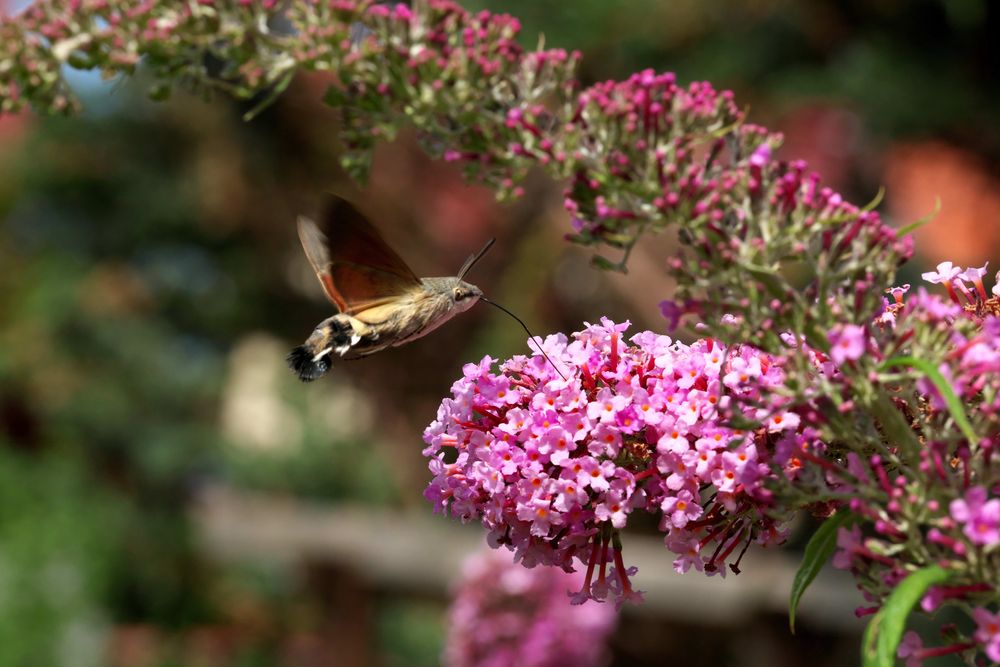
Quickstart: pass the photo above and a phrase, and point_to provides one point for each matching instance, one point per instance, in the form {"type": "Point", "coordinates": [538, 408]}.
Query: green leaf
{"type": "Point", "coordinates": [947, 393]}
{"type": "Point", "coordinates": [160, 92]}
{"type": "Point", "coordinates": [818, 551]}
{"type": "Point", "coordinates": [606, 264]}
{"type": "Point", "coordinates": [726, 129]}
{"type": "Point", "coordinates": [917, 224]}
{"type": "Point", "coordinates": [335, 97]}
{"type": "Point", "coordinates": [618, 240]}
{"type": "Point", "coordinates": [885, 630]}
{"type": "Point", "coordinates": [769, 278]}
{"type": "Point", "coordinates": [876, 201]}
{"type": "Point", "coordinates": [268, 98]}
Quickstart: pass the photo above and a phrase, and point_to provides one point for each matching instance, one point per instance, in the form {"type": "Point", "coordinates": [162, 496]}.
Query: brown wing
{"type": "Point", "coordinates": [357, 268]}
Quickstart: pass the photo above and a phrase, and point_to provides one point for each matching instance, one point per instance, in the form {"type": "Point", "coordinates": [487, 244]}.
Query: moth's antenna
{"type": "Point", "coordinates": [469, 263]}
{"type": "Point", "coordinates": [525, 326]}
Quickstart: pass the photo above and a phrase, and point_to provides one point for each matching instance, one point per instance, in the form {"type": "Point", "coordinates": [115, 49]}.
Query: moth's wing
{"type": "Point", "coordinates": [362, 288]}
{"type": "Point", "coordinates": [356, 241]}
{"type": "Point", "coordinates": [314, 242]}
{"type": "Point", "coordinates": [354, 264]}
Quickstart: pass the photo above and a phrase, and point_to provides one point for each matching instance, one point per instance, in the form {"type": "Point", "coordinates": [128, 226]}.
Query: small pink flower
{"type": "Point", "coordinates": [681, 508]}
{"type": "Point", "coordinates": [981, 517]}
{"type": "Point", "coordinates": [847, 343]}
{"type": "Point", "coordinates": [932, 599]}
{"type": "Point", "coordinates": [898, 292]}
{"type": "Point", "coordinates": [761, 156]}
{"type": "Point", "coordinates": [946, 272]}
{"type": "Point", "coordinates": [988, 632]}
{"type": "Point", "coordinates": [688, 550]}
{"type": "Point", "coordinates": [848, 542]}
{"type": "Point", "coordinates": [910, 648]}
{"type": "Point", "coordinates": [783, 421]}
{"type": "Point", "coordinates": [673, 312]}
{"type": "Point", "coordinates": [975, 276]}
{"type": "Point", "coordinates": [945, 275]}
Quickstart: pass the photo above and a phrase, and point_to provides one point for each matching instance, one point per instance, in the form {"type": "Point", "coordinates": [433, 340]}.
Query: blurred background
{"type": "Point", "coordinates": [171, 495]}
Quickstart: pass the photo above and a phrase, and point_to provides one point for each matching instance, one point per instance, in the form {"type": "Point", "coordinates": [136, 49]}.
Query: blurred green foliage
{"type": "Point", "coordinates": [57, 561]}
{"type": "Point", "coordinates": [412, 632]}
{"type": "Point", "coordinates": [122, 300]}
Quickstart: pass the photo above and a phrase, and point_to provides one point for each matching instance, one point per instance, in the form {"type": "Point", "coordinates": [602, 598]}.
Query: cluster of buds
{"type": "Point", "coordinates": [504, 614]}
{"type": "Point", "coordinates": [554, 453]}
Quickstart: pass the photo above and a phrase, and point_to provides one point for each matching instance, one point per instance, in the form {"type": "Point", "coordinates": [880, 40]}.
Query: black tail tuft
{"type": "Point", "coordinates": [303, 362]}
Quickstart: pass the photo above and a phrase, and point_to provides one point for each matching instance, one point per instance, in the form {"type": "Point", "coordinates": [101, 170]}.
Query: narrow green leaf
{"type": "Point", "coordinates": [268, 98]}
{"type": "Point", "coordinates": [618, 240]}
{"type": "Point", "coordinates": [769, 278]}
{"type": "Point", "coordinates": [917, 224]}
{"type": "Point", "coordinates": [335, 97]}
{"type": "Point", "coordinates": [947, 393]}
{"type": "Point", "coordinates": [876, 201]}
{"type": "Point", "coordinates": [819, 549]}
{"type": "Point", "coordinates": [606, 264]}
{"type": "Point", "coordinates": [725, 129]}
{"type": "Point", "coordinates": [160, 92]}
{"type": "Point", "coordinates": [885, 630]}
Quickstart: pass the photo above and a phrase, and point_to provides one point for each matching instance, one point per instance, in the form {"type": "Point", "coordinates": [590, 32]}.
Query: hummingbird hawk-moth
{"type": "Point", "coordinates": [381, 303]}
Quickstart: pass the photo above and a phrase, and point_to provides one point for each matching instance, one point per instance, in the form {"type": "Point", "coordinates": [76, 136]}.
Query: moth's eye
{"type": "Point", "coordinates": [459, 294]}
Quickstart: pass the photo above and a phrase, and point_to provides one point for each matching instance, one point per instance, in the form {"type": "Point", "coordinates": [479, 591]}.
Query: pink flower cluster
{"type": "Point", "coordinates": [944, 496]}
{"type": "Point", "coordinates": [971, 364]}
{"type": "Point", "coordinates": [968, 284]}
{"type": "Point", "coordinates": [504, 614]}
{"type": "Point", "coordinates": [553, 461]}
{"type": "Point", "coordinates": [645, 113]}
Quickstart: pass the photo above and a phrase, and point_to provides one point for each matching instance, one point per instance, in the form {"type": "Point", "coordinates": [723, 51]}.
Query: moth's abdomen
{"type": "Point", "coordinates": [303, 361]}
{"type": "Point", "coordinates": [312, 359]}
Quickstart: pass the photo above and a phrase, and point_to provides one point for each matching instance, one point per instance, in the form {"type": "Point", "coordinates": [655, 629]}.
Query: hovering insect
{"type": "Point", "coordinates": [381, 302]}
